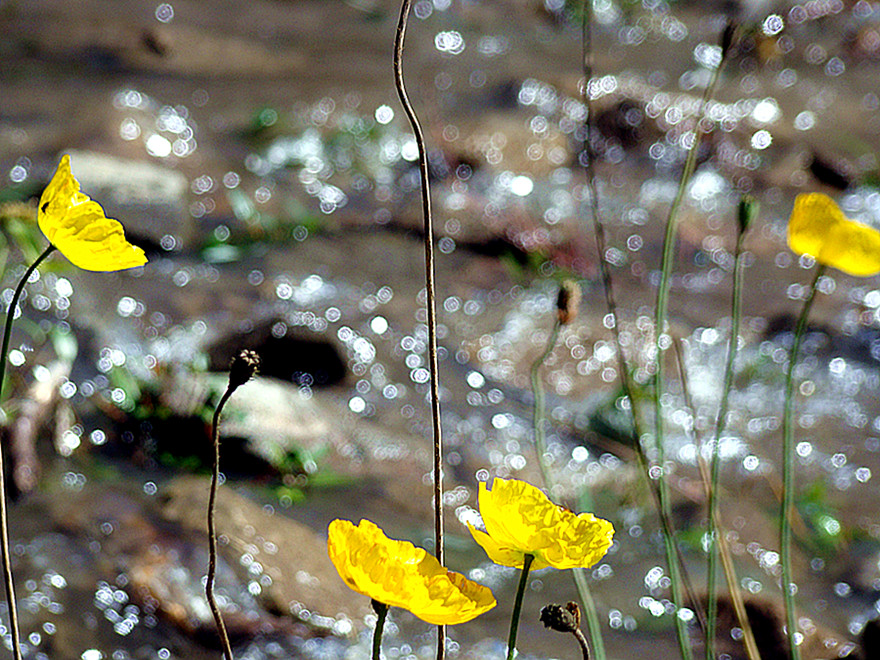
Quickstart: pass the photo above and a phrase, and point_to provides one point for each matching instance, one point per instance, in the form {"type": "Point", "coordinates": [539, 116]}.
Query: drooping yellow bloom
{"type": "Point", "coordinates": [77, 226]}
{"type": "Point", "coordinates": [521, 520]}
{"type": "Point", "coordinates": [820, 229]}
{"type": "Point", "coordinates": [399, 574]}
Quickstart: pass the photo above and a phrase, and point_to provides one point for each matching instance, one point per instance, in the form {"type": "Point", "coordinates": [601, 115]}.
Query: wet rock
{"type": "Point", "coordinates": [171, 48]}
{"type": "Point", "coordinates": [383, 465]}
{"type": "Point", "coordinates": [176, 48]}
{"type": "Point", "coordinates": [284, 355]}
{"type": "Point", "coordinates": [162, 563]}
{"type": "Point", "coordinates": [627, 123]}
{"type": "Point", "coordinates": [285, 558]}
{"type": "Point", "coordinates": [835, 174]}
{"type": "Point", "coordinates": [151, 198]}
{"type": "Point", "coordinates": [861, 346]}
{"type": "Point", "coordinates": [264, 422]}
{"type": "Point", "coordinates": [512, 142]}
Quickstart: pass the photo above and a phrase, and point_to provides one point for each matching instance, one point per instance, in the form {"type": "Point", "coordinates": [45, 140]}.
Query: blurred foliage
{"type": "Point", "coordinates": [162, 419]}
{"type": "Point", "coordinates": [829, 535]}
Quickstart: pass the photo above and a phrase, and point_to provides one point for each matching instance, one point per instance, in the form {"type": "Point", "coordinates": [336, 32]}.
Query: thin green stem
{"type": "Point", "coordinates": [381, 610]}
{"type": "Point", "coordinates": [788, 470]}
{"type": "Point", "coordinates": [4, 515]}
{"type": "Point", "coordinates": [430, 302]}
{"type": "Point", "coordinates": [590, 613]}
{"type": "Point", "coordinates": [580, 578]}
{"type": "Point", "coordinates": [720, 423]}
{"type": "Point", "coordinates": [661, 341]}
{"type": "Point", "coordinates": [673, 553]}
{"type": "Point", "coordinates": [517, 606]}
{"type": "Point", "coordinates": [212, 532]}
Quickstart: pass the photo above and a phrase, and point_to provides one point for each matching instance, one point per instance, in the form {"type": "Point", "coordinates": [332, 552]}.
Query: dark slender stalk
{"type": "Point", "coordinates": [381, 610]}
{"type": "Point", "coordinates": [430, 302]}
{"type": "Point", "coordinates": [610, 304]}
{"type": "Point", "coordinates": [4, 515]}
{"type": "Point", "coordinates": [673, 553]}
{"type": "Point", "coordinates": [661, 338]}
{"type": "Point", "coordinates": [517, 605]}
{"type": "Point", "coordinates": [212, 532]}
{"type": "Point", "coordinates": [788, 470]}
{"type": "Point", "coordinates": [720, 423]}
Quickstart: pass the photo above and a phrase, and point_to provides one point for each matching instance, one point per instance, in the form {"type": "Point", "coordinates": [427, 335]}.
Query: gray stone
{"type": "Point", "coordinates": [149, 199]}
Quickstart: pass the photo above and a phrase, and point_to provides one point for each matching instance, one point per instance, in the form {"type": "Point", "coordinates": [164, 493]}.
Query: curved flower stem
{"type": "Point", "coordinates": [661, 339]}
{"type": "Point", "coordinates": [4, 516]}
{"type": "Point", "coordinates": [212, 532]}
{"type": "Point", "coordinates": [381, 610]}
{"type": "Point", "coordinates": [583, 643]}
{"type": "Point", "coordinates": [788, 469]}
{"type": "Point", "coordinates": [538, 413]}
{"type": "Point", "coordinates": [720, 422]}
{"type": "Point", "coordinates": [517, 605]}
{"type": "Point", "coordinates": [430, 302]}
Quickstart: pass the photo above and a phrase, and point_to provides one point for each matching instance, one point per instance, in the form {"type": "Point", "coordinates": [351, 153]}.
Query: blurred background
{"type": "Point", "coordinates": [258, 152]}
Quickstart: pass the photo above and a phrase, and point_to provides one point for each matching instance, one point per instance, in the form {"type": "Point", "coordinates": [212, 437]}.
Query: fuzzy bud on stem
{"type": "Point", "coordinates": [561, 618]}
{"type": "Point", "coordinates": [568, 301]}
{"type": "Point", "coordinates": [747, 212]}
{"type": "Point", "coordinates": [243, 367]}
{"type": "Point", "coordinates": [566, 619]}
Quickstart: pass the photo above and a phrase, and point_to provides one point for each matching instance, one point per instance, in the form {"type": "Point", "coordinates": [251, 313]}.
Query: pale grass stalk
{"type": "Point", "coordinates": [727, 566]}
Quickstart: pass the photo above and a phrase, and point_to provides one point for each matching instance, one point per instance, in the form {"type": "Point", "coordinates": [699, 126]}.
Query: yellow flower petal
{"type": "Point", "coordinates": [78, 227]}
{"type": "Point", "coordinates": [521, 520]}
{"type": "Point", "coordinates": [819, 228]}
{"type": "Point", "coordinates": [503, 555]}
{"type": "Point", "coordinates": [399, 574]}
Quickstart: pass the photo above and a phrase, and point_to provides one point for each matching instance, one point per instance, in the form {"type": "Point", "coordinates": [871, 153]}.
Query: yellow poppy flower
{"type": "Point", "coordinates": [820, 229]}
{"type": "Point", "coordinates": [77, 226]}
{"type": "Point", "coordinates": [521, 520]}
{"type": "Point", "coordinates": [399, 574]}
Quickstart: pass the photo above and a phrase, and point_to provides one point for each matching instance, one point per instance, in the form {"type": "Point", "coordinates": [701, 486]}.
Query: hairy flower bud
{"type": "Point", "coordinates": [243, 367]}
{"type": "Point", "coordinates": [561, 618]}
{"type": "Point", "coordinates": [568, 301]}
